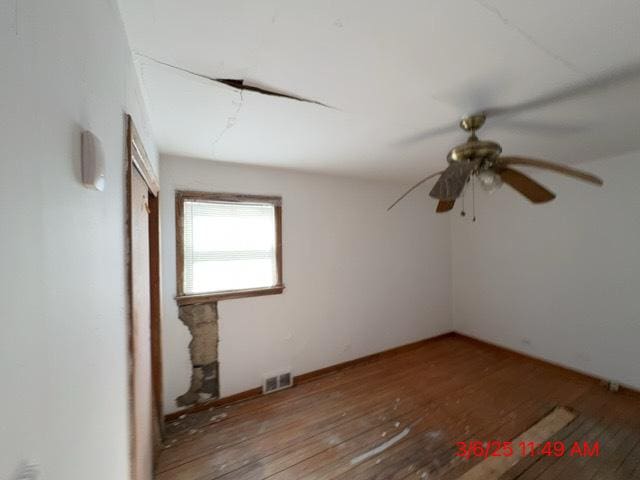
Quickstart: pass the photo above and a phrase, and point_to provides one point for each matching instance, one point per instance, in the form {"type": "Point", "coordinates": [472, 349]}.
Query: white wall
{"type": "Point", "coordinates": [359, 280]}
{"type": "Point", "coordinates": [560, 281]}
{"type": "Point", "coordinates": [65, 66]}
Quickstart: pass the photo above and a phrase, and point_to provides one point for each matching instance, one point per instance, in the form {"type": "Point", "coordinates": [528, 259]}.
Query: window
{"type": "Point", "coordinates": [228, 246]}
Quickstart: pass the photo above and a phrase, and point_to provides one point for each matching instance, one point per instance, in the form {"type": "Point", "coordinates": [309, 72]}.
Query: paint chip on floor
{"type": "Point", "coordinates": [381, 448]}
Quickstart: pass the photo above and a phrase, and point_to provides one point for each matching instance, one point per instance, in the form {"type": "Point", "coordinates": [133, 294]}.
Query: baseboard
{"type": "Point", "coordinates": [315, 374]}
{"type": "Point", "coordinates": [587, 375]}
{"type": "Point", "coordinates": [306, 377]}
{"type": "Point", "coordinates": [310, 376]}
{"type": "Point", "coordinates": [219, 402]}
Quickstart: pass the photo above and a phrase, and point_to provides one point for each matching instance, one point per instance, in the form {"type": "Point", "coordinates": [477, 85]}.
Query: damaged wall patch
{"type": "Point", "coordinates": [202, 322]}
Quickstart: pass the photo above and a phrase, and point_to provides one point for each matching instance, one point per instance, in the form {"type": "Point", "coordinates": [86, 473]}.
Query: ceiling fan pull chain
{"type": "Point", "coordinates": [462, 212]}
{"type": "Point", "coordinates": [473, 190]}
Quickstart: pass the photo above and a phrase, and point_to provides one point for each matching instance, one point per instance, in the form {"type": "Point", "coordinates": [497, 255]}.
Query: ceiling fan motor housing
{"type": "Point", "coordinates": [482, 150]}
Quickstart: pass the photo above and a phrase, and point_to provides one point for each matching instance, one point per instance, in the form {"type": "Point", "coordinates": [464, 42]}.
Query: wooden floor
{"type": "Point", "coordinates": [418, 404]}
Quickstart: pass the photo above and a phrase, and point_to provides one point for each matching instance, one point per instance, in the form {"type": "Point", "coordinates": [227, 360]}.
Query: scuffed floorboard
{"type": "Point", "coordinates": [492, 467]}
{"type": "Point", "coordinates": [401, 417]}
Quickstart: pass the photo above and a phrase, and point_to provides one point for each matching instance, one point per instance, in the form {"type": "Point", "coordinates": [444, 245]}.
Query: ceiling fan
{"type": "Point", "coordinates": [482, 159]}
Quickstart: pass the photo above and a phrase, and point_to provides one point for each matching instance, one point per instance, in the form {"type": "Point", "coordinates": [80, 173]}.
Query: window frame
{"type": "Point", "coordinates": [192, 298]}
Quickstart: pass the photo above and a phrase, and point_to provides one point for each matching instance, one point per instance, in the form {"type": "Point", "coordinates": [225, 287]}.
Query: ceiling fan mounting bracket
{"type": "Point", "coordinates": [472, 123]}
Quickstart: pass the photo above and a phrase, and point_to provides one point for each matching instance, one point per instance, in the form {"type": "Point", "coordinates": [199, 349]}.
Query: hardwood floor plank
{"type": "Point", "coordinates": [538, 464]}
{"type": "Point", "coordinates": [363, 401]}
{"type": "Point", "coordinates": [305, 396]}
{"type": "Point", "coordinates": [399, 417]}
{"type": "Point", "coordinates": [349, 399]}
{"type": "Point", "coordinates": [630, 463]}
{"type": "Point", "coordinates": [490, 468]}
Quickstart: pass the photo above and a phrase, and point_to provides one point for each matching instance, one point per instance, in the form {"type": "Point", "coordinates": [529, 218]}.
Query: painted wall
{"type": "Point", "coordinates": [359, 280]}
{"type": "Point", "coordinates": [561, 280]}
{"type": "Point", "coordinates": [65, 66]}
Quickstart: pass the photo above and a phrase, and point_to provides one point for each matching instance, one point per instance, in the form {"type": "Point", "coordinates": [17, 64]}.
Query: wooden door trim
{"type": "Point", "coordinates": [156, 306]}
{"type": "Point", "coordinates": [137, 155]}
{"type": "Point", "coordinates": [136, 158]}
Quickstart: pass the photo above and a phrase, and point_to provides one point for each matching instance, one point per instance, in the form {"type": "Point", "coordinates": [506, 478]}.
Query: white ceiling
{"type": "Point", "coordinates": [391, 70]}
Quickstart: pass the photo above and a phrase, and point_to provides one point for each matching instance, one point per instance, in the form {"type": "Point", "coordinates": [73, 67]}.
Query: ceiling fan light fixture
{"type": "Point", "coordinates": [489, 180]}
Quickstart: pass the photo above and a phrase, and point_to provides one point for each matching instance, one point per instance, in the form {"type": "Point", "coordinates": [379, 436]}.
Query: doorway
{"type": "Point", "coordinates": [143, 265]}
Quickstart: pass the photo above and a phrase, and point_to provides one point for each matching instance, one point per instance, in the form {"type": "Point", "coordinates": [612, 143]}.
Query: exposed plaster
{"type": "Point", "coordinates": [527, 36]}
{"type": "Point", "coordinates": [202, 322]}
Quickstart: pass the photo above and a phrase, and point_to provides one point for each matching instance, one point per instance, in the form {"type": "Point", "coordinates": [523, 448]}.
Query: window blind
{"type": "Point", "coordinates": [228, 246]}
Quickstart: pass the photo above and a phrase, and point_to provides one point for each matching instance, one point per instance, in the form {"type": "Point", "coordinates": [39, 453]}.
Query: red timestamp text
{"type": "Point", "coordinates": [497, 448]}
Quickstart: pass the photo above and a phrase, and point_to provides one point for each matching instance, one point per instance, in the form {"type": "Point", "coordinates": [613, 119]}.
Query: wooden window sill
{"type": "Point", "coordinates": [228, 295]}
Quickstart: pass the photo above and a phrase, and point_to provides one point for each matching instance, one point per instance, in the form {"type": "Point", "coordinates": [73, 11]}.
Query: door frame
{"type": "Point", "coordinates": [138, 159]}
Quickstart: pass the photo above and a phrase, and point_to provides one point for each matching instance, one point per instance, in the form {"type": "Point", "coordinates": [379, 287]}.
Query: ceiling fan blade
{"type": "Point", "coordinates": [541, 128]}
{"type": "Point", "coordinates": [452, 181]}
{"type": "Point", "coordinates": [445, 206]}
{"type": "Point", "coordinates": [556, 167]}
{"type": "Point", "coordinates": [526, 186]}
{"type": "Point", "coordinates": [414, 187]}
{"type": "Point", "coordinates": [590, 86]}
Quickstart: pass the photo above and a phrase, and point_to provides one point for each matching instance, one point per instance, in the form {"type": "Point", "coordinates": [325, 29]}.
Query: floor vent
{"type": "Point", "coordinates": [277, 382]}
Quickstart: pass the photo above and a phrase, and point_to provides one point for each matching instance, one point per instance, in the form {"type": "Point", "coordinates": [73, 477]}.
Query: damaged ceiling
{"type": "Point", "coordinates": [340, 87]}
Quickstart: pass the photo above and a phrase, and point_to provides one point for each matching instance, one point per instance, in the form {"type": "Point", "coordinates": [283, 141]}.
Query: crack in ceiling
{"type": "Point", "coordinates": [527, 36]}
{"type": "Point", "coordinates": [238, 84]}
{"type": "Point", "coordinates": [231, 121]}
{"type": "Point", "coordinates": [559, 78]}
